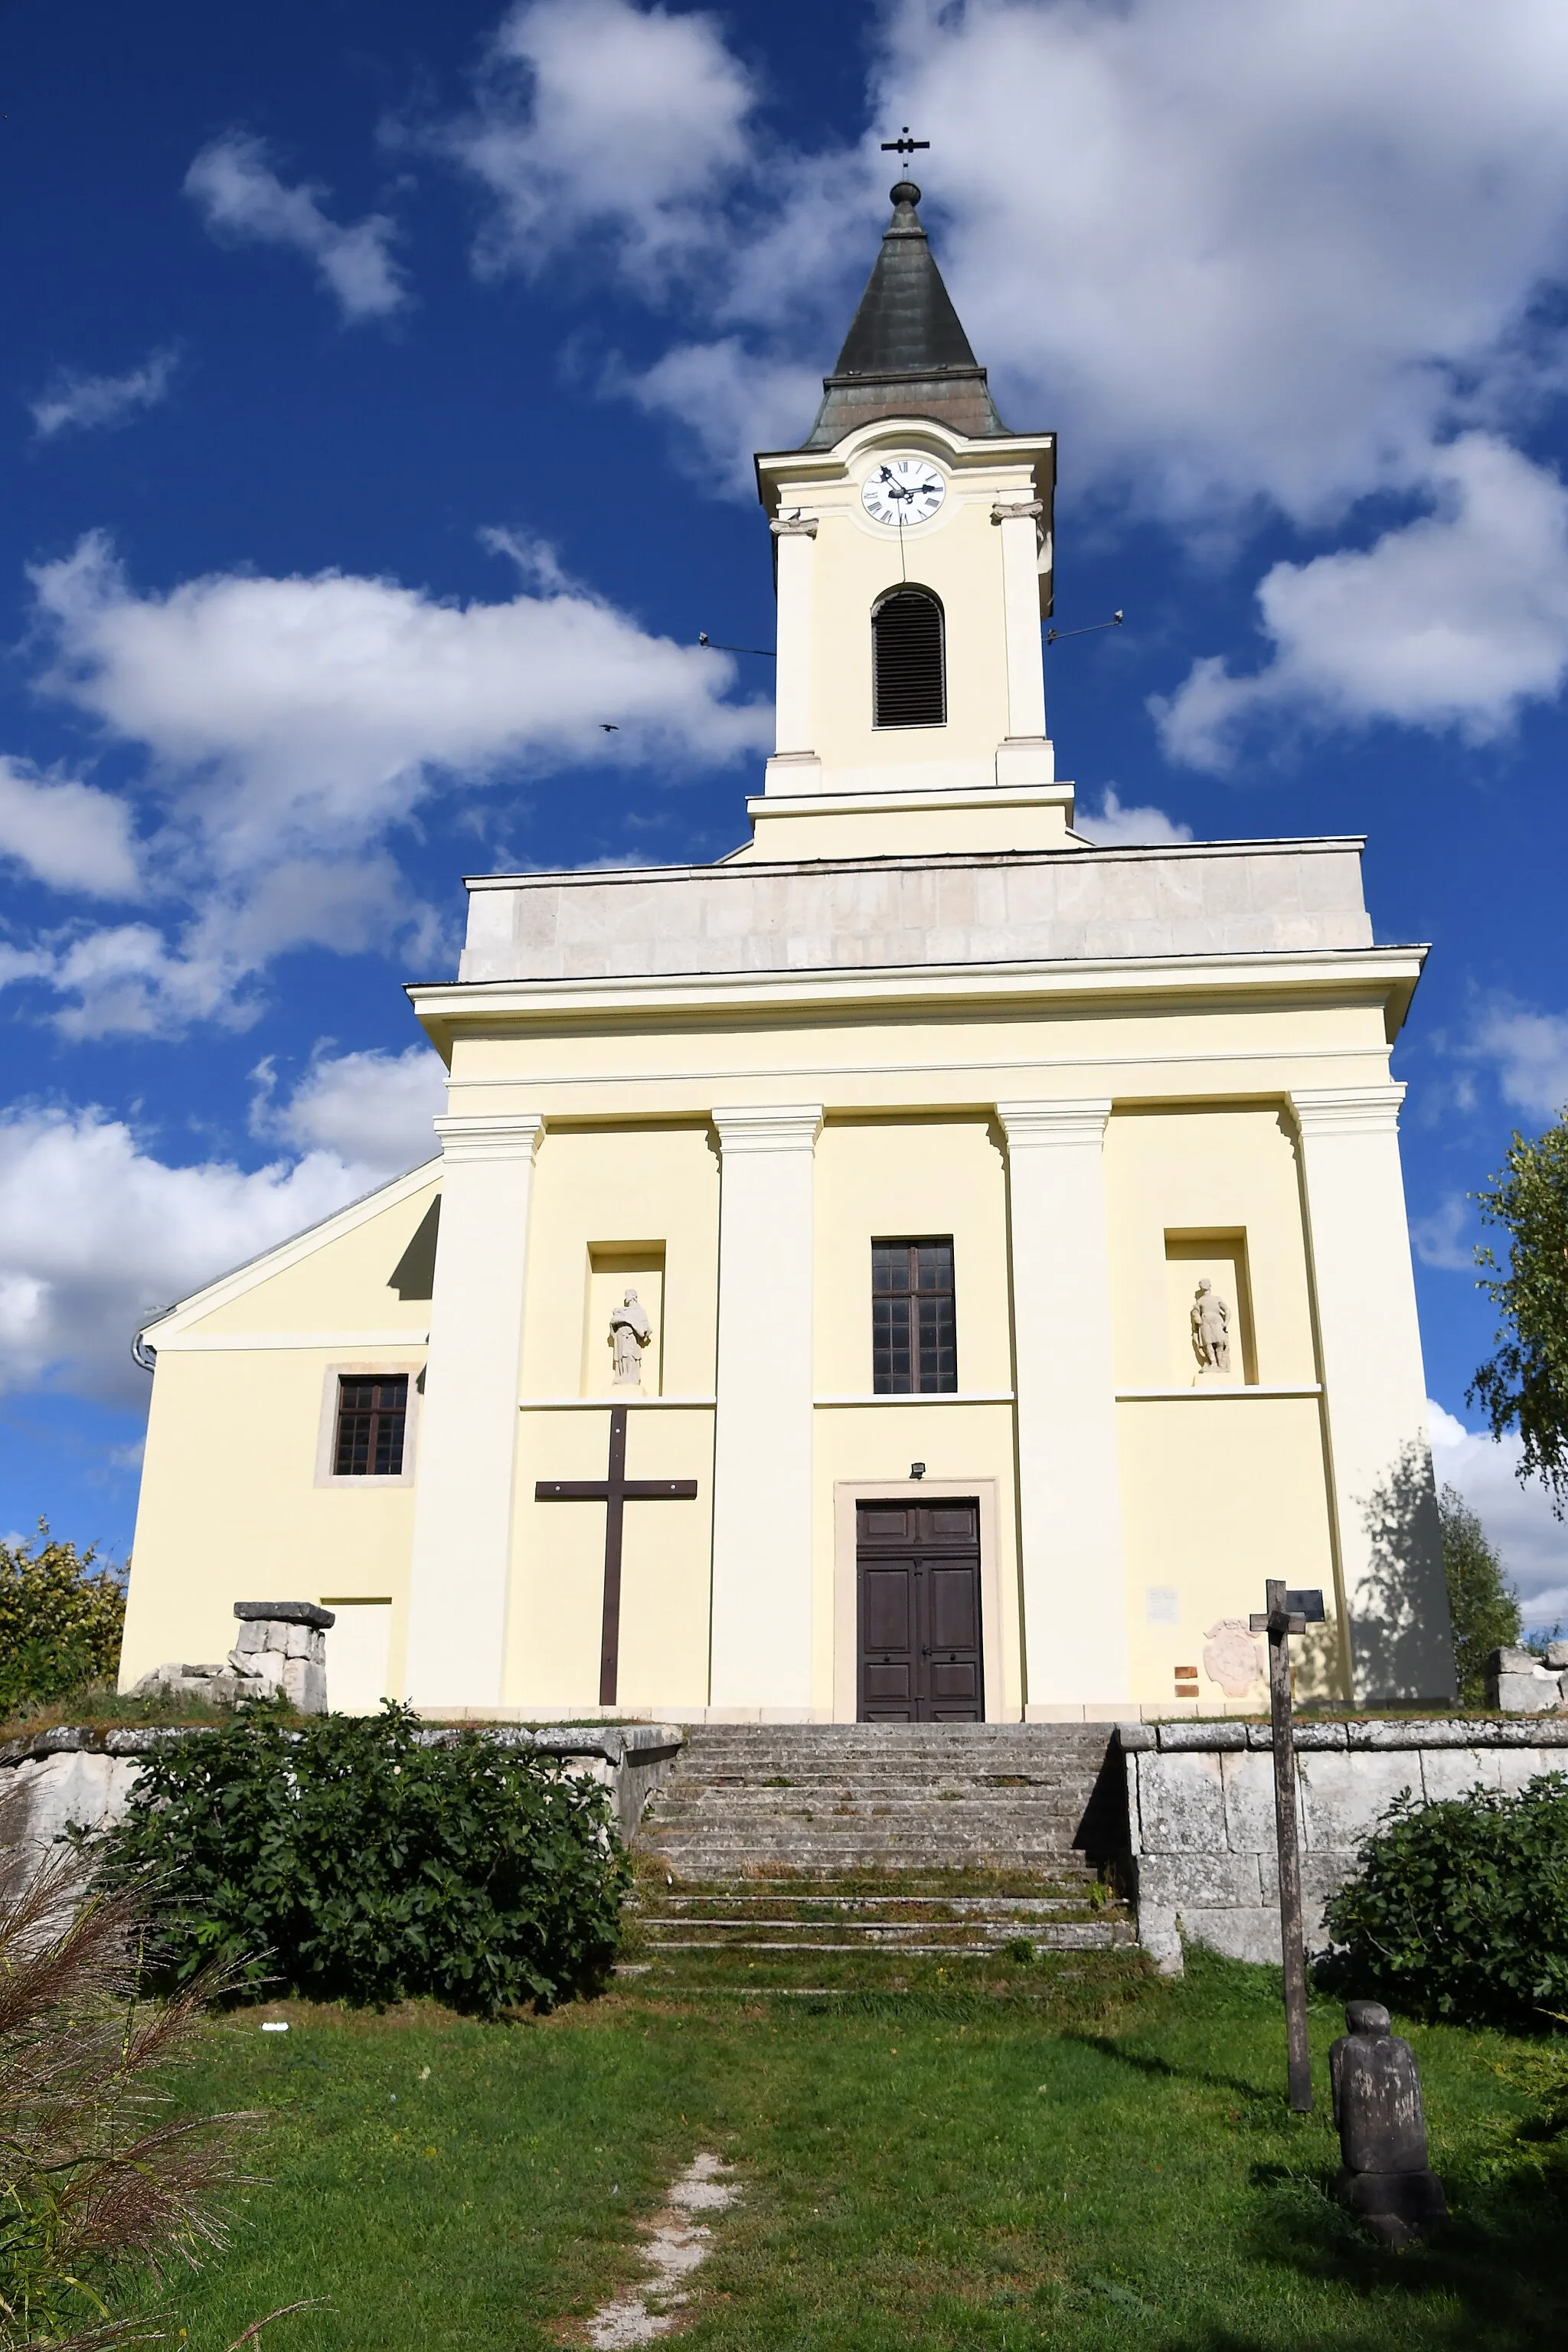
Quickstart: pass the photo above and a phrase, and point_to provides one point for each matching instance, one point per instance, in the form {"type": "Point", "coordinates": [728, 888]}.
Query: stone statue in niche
{"type": "Point", "coordinates": [630, 1332]}
{"type": "Point", "coordinates": [1210, 1320]}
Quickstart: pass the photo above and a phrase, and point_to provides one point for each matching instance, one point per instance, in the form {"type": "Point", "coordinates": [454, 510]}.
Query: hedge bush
{"type": "Point", "coordinates": [351, 1861]}
{"type": "Point", "coordinates": [1459, 1909]}
{"type": "Point", "coordinates": [61, 1620]}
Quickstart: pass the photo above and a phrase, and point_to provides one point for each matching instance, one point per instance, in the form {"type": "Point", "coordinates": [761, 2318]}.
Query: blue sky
{"type": "Point", "coordinates": [378, 391]}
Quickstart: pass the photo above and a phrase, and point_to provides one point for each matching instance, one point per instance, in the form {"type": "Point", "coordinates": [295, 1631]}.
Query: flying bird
{"type": "Point", "coordinates": [608, 726]}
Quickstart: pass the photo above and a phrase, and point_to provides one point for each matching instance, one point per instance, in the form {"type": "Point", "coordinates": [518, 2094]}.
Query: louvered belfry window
{"type": "Point", "coordinates": [371, 1417]}
{"type": "Point", "coordinates": [914, 1336]}
{"type": "Point", "coordinates": [907, 660]}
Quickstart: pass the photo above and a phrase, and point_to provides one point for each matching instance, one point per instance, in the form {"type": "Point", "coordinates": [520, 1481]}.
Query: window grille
{"type": "Point", "coordinates": [914, 1331]}
{"type": "Point", "coordinates": [907, 660]}
{"type": "Point", "coordinates": [371, 1416]}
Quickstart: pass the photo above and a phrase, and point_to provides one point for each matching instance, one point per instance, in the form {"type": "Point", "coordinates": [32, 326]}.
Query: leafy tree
{"type": "Point", "coordinates": [1483, 1603]}
{"type": "Point", "coordinates": [1525, 1385]}
{"type": "Point", "coordinates": [61, 1620]}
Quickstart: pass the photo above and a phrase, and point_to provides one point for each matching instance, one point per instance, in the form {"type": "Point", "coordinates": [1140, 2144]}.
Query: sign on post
{"type": "Point", "coordinates": [1287, 1613]}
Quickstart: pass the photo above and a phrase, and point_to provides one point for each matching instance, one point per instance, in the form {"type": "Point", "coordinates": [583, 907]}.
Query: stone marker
{"type": "Point", "coordinates": [1518, 1683]}
{"type": "Point", "coordinates": [282, 1646]}
{"type": "Point", "coordinates": [1383, 2176]}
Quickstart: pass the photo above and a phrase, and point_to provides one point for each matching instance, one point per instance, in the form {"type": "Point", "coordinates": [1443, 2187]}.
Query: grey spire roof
{"type": "Point", "coordinates": [906, 354]}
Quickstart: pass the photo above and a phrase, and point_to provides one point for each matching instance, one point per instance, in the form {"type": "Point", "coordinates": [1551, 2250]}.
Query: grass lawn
{"type": "Point", "coordinates": [1093, 2160]}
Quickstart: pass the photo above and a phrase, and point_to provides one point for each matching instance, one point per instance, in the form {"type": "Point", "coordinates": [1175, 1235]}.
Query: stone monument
{"type": "Point", "coordinates": [1210, 1321]}
{"type": "Point", "coordinates": [1518, 1683]}
{"type": "Point", "coordinates": [1384, 2177]}
{"type": "Point", "coordinates": [282, 1648]}
{"type": "Point", "coordinates": [630, 1332]}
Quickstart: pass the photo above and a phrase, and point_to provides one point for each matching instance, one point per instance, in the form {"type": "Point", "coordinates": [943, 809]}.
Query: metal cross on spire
{"type": "Point", "coordinates": [903, 144]}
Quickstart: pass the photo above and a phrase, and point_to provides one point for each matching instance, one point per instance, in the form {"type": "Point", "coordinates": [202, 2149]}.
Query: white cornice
{"type": "Point", "coordinates": [1347, 1111]}
{"type": "Point", "coordinates": [1053, 1126]}
{"type": "Point", "coordinates": [1282, 974]}
{"type": "Point", "coordinates": [244, 1342]}
{"type": "Point", "coordinates": [915, 861]}
{"type": "Point", "coordinates": [489, 1135]}
{"type": "Point", "coordinates": [242, 1278]}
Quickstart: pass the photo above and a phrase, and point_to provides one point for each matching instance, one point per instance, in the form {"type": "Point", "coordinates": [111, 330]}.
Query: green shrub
{"type": "Point", "coordinates": [60, 1620]}
{"type": "Point", "coordinates": [348, 1861]}
{"type": "Point", "coordinates": [1459, 1909]}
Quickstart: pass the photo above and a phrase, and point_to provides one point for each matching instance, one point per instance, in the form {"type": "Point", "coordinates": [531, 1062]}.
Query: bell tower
{"type": "Point", "coordinates": [912, 552]}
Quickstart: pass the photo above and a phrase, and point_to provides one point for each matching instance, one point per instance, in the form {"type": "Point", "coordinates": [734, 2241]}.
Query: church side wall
{"type": "Point", "coordinates": [234, 1505]}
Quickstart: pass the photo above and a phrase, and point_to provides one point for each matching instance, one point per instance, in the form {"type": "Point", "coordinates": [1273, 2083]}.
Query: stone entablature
{"type": "Point", "coordinates": [1200, 1815]}
{"type": "Point", "coordinates": [1200, 898]}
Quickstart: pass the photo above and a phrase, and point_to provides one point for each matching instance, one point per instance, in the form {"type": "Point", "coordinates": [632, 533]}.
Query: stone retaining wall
{"type": "Point", "coordinates": [82, 1778]}
{"type": "Point", "coordinates": [1200, 1815]}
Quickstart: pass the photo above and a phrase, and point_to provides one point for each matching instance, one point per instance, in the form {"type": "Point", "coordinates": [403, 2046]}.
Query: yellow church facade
{"type": "Point", "coordinates": [922, 1266]}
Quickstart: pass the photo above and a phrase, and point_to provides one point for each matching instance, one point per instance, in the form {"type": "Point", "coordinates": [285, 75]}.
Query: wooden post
{"type": "Point", "coordinates": [1279, 1623]}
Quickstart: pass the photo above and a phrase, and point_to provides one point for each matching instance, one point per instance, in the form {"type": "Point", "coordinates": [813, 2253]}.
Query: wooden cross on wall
{"type": "Point", "coordinates": [614, 1491]}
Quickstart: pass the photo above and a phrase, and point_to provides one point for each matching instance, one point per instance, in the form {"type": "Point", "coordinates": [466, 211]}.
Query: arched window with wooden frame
{"type": "Point", "coordinates": [909, 660]}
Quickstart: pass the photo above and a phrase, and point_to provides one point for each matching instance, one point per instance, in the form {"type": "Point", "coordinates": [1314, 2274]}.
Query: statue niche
{"type": "Point", "coordinates": [630, 1332]}
{"type": "Point", "coordinates": [1210, 1322]}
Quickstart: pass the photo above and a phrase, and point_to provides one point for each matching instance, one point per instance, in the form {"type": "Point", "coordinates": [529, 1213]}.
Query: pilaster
{"type": "Point", "coordinates": [463, 1502]}
{"type": "Point", "coordinates": [794, 554]}
{"type": "Point", "coordinates": [1018, 524]}
{"type": "Point", "coordinates": [761, 1458]}
{"type": "Point", "coordinates": [1383, 1503]}
{"type": "Point", "coordinates": [1069, 1503]}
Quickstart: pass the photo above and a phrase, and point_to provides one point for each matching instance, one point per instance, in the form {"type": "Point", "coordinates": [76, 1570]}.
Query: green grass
{"type": "Point", "coordinates": [1101, 2162]}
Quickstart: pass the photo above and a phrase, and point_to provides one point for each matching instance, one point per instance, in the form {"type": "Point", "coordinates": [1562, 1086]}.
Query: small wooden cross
{"type": "Point", "coordinates": [614, 1491]}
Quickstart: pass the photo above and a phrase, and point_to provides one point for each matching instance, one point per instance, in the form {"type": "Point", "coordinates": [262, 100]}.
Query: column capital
{"type": "Point", "coordinates": [1348, 1110]}
{"type": "Point", "coordinates": [768, 1127]}
{"type": "Point", "coordinates": [794, 527]}
{"type": "Point", "coordinates": [1052, 1124]}
{"type": "Point", "coordinates": [496, 1135]}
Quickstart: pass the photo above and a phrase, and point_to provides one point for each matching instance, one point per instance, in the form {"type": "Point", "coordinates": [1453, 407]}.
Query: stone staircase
{"type": "Point", "coordinates": [934, 1844]}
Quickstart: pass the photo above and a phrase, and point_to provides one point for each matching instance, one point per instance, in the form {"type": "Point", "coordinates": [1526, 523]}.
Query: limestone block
{"type": "Point", "coordinates": [268, 1669]}
{"type": "Point", "coordinates": [1455, 1771]}
{"type": "Point", "coordinates": [306, 1684]}
{"type": "Point", "coordinates": [1180, 1805]}
{"type": "Point", "coordinates": [1211, 1881]}
{"type": "Point", "coordinates": [1161, 1937]}
{"type": "Point", "coordinates": [1517, 1767]}
{"type": "Point", "coordinates": [252, 1637]}
{"type": "Point", "coordinates": [1252, 1935]}
{"type": "Point", "coordinates": [1345, 1798]}
{"type": "Point", "coordinates": [1436, 1734]}
{"type": "Point", "coordinates": [1557, 1654]}
{"type": "Point", "coordinates": [1177, 1737]}
{"type": "Point", "coordinates": [1249, 1781]}
{"type": "Point", "coordinates": [1536, 1693]}
{"type": "Point", "coordinates": [298, 1642]}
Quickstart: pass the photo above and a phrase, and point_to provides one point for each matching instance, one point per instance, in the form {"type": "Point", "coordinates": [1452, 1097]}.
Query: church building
{"type": "Point", "coordinates": [922, 1266]}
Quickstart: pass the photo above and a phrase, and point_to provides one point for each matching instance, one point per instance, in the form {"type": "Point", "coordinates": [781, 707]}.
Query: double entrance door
{"type": "Point", "coordinates": [918, 1574]}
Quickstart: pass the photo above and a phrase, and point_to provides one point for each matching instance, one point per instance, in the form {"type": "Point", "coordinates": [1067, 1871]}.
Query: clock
{"type": "Point", "coordinates": [902, 490]}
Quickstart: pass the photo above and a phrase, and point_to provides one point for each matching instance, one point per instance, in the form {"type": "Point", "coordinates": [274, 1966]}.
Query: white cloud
{"type": "Point", "coordinates": [1533, 1544]}
{"type": "Point", "coordinates": [241, 197]}
{"type": "Point", "coordinates": [596, 119]}
{"type": "Point", "coordinates": [1529, 1051]}
{"type": "Point", "coordinates": [373, 1109]}
{"type": "Point", "coordinates": [1114, 826]}
{"type": "Point", "coordinates": [87, 402]}
{"type": "Point", "coordinates": [1446, 1237]}
{"type": "Point", "coordinates": [1292, 258]}
{"type": "Point", "coordinates": [67, 834]}
{"type": "Point", "coordinates": [732, 401]}
{"type": "Point", "coordinates": [294, 725]}
{"type": "Point", "coordinates": [1453, 620]}
{"type": "Point", "coordinates": [96, 1233]}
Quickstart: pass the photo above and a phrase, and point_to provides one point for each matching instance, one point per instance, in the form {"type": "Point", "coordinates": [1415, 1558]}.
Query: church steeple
{"type": "Point", "coordinates": [906, 354]}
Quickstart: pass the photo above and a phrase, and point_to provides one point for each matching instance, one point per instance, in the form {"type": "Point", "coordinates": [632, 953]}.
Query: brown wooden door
{"type": "Point", "coordinates": [918, 1571]}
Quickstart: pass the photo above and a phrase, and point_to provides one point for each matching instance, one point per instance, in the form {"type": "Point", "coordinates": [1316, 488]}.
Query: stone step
{"type": "Point", "coordinates": [1074, 1936]}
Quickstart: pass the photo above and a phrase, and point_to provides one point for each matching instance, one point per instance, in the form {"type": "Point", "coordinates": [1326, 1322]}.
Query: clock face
{"type": "Point", "coordinates": [903, 491]}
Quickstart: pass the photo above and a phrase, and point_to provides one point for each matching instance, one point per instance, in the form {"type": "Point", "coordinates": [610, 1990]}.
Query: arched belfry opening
{"type": "Point", "coordinates": [909, 660]}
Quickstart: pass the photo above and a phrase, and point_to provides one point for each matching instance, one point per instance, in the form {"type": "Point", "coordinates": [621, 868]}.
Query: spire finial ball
{"type": "Point", "coordinates": [905, 193]}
